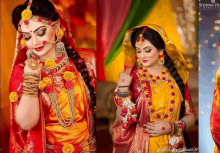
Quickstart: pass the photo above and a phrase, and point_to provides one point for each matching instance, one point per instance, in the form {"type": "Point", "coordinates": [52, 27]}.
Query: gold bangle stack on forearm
{"type": "Point", "coordinates": [30, 84]}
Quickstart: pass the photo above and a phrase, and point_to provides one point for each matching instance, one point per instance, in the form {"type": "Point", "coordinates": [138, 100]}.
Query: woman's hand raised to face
{"type": "Point", "coordinates": [124, 80]}
{"type": "Point", "coordinates": [157, 128]}
{"type": "Point", "coordinates": [33, 66]}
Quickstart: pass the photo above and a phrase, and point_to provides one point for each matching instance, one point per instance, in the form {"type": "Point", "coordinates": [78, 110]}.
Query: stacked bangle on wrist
{"type": "Point", "coordinates": [184, 124]}
{"type": "Point", "coordinates": [176, 129]}
{"type": "Point", "coordinates": [30, 84]}
{"type": "Point", "coordinates": [123, 86]}
{"type": "Point", "coordinates": [123, 94]}
{"type": "Point", "coordinates": [171, 128]}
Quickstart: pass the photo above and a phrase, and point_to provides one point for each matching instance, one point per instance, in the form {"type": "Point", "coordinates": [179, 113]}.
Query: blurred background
{"type": "Point", "coordinates": [209, 47]}
{"type": "Point", "coordinates": [179, 20]}
{"type": "Point", "coordinates": [81, 15]}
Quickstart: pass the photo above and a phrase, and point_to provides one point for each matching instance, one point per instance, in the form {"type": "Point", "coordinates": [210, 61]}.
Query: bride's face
{"type": "Point", "coordinates": [35, 35]}
{"type": "Point", "coordinates": [146, 53]}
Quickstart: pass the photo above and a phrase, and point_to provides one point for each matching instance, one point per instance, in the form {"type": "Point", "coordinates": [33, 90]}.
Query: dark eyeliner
{"type": "Point", "coordinates": [42, 33]}
{"type": "Point", "coordinates": [148, 51]}
{"type": "Point", "coordinates": [26, 39]}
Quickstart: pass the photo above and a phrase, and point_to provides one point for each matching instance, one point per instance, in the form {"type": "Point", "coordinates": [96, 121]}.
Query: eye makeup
{"type": "Point", "coordinates": [138, 50]}
{"type": "Point", "coordinates": [41, 32]}
{"type": "Point", "coordinates": [26, 38]}
{"type": "Point", "coordinates": [147, 50]}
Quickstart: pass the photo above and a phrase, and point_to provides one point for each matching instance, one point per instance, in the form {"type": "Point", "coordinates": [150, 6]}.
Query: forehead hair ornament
{"type": "Point", "coordinates": [141, 39]}
{"type": "Point", "coordinates": [26, 15]}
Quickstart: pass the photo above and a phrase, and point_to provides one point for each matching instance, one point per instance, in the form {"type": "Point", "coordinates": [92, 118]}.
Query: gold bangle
{"type": "Point", "coordinates": [31, 79]}
{"type": "Point", "coordinates": [31, 74]}
{"type": "Point", "coordinates": [31, 95]}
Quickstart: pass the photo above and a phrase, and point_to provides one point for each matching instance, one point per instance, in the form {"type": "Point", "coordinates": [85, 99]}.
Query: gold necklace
{"type": "Point", "coordinates": [69, 76]}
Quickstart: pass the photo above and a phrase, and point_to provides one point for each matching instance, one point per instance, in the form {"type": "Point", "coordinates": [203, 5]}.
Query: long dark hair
{"type": "Point", "coordinates": [45, 9]}
{"type": "Point", "coordinates": [155, 39]}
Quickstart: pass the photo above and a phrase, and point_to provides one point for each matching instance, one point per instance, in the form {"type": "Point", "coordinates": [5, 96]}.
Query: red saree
{"type": "Point", "coordinates": [34, 141]}
{"type": "Point", "coordinates": [214, 117]}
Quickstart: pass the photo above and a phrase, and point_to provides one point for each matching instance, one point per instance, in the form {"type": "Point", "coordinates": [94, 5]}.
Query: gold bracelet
{"type": "Point", "coordinates": [30, 84]}
{"type": "Point", "coordinates": [31, 74]}
{"type": "Point", "coordinates": [31, 95]}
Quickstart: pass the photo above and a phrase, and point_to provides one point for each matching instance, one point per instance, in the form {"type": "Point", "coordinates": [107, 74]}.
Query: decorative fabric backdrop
{"type": "Point", "coordinates": [141, 12]}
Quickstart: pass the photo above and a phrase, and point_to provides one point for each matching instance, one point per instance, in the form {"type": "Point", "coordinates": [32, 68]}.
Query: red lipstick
{"type": "Point", "coordinates": [145, 61]}
{"type": "Point", "coordinates": [39, 48]}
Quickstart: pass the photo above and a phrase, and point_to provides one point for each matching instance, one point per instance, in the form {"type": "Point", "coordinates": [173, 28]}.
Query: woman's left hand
{"type": "Point", "coordinates": [157, 128]}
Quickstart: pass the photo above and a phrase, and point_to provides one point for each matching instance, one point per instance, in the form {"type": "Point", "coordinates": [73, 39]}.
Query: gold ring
{"type": "Point", "coordinates": [33, 64]}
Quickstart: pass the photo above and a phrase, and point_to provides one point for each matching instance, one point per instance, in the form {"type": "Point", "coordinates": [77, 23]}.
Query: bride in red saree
{"type": "Point", "coordinates": [52, 85]}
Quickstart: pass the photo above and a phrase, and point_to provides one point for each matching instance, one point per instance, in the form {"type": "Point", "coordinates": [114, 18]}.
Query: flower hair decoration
{"type": "Point", "coordinates": [27, 15]}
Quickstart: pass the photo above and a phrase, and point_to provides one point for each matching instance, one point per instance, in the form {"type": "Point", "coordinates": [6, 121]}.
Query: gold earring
{"type": "Point", "coordinates": [60, 34]}
{"type": "Point", "coordinates": [138, 62]}
{"type": "Point", "coordinates": [23, 42]}
{"type": "Point", "coordinates": [161, 58]}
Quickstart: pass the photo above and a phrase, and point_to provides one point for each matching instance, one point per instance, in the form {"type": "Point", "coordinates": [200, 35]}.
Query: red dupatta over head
{"type": "Point", "coordinates": [34, 140]}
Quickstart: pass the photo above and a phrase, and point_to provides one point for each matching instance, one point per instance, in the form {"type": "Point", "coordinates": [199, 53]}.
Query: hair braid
{"type": "Point", "coordinates": [81, 67]}
{"type": "Point", "coordinates": [173, 71]}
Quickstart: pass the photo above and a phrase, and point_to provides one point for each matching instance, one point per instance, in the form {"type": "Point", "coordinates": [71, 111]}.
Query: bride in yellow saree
{"type": "Point", "coordinates": [152, 96]}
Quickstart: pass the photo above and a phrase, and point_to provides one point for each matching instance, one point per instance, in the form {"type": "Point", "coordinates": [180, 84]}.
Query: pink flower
{"type": "Point", "coordinates": [125, 126]}
{"type": "Point", "coordinates": [134, 111]}
{"type": "Point", "coordinates": [52, 71]}
{"type": "Point", "coordinates": [172, 101]}
{"type": "Point", "coordinates": [26, 22]}
{"type": "Point", "coordinates": [39, 19]}
{"type": "Point", "coordinates": [69, 68]}
{"type": "Point", "coordinates": [171, 109]}
{"type": "Point", "coordinates": [124, 110]}
{"type": "Point", "coordinates": [69, 84]}
{"type": "Point", "coordinates": [35, 58]}
{"type": "Point", "coordinates": [165, 116]}
{"type": "Point", "coordinates": [152, 110]}
{"type": "Point", "coordinates": [49, 88]}
{"type": "Point", "coordinates": [134, 119]}
{"type": "Point", "coordinates": [158, 115]}
{"type": "Point", "coordinates": [43, 74]}
{"type": "Point", "coordinates": [92, 83]}
{"type": "Point", "coordinates": [123, 114]}
{"type": "Point", "coordinates": [129, 118]}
